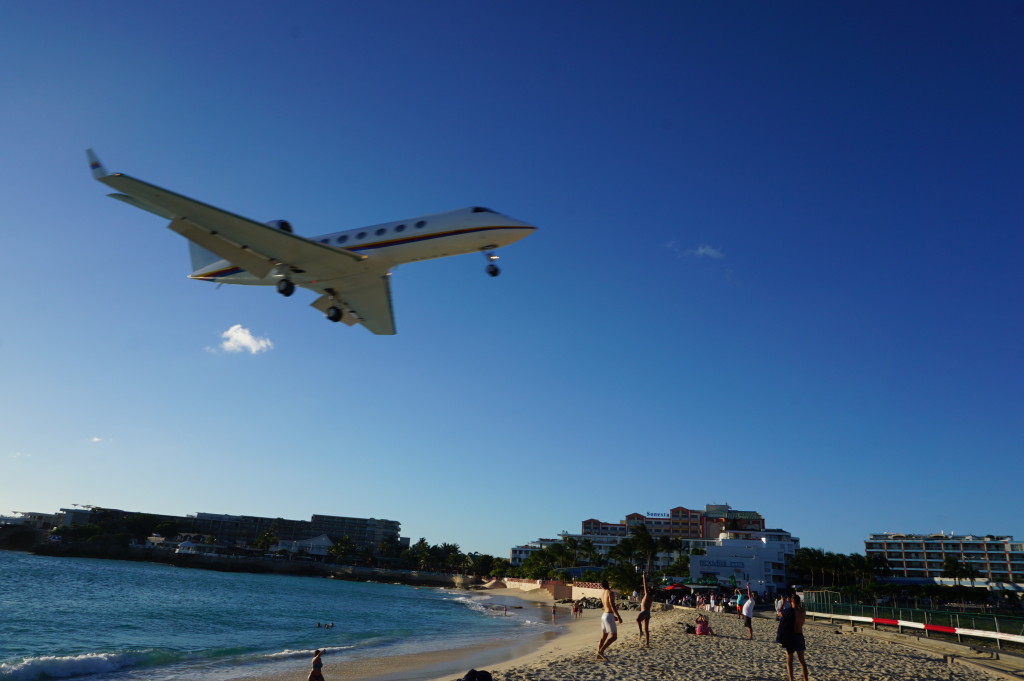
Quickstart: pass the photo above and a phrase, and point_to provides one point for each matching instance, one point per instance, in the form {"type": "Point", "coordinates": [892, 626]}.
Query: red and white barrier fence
{"type": "Point", "coordinates": [962, 631]}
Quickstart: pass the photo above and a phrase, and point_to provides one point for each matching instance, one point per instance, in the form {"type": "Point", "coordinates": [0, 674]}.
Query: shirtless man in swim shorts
{"type": "Point", "coordinates": [609, 619]}
{"type": "Point", "coordinates": [643, 620]}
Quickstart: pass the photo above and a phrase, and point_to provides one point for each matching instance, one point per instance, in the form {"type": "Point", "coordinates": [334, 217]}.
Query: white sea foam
{"type": "Point", "coordinates": [57, 667]}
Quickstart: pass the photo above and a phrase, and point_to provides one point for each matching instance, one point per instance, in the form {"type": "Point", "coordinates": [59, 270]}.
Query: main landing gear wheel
{"type": "Point", "coordinates": [285, 287]}
{"type": "Point", "coordinates": [334, 314]}
{"type": "Point", "coordinates": [493, 270]}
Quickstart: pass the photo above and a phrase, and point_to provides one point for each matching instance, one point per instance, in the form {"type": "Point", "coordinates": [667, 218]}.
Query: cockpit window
{"type": "Point", "coordinates": [478, 209]}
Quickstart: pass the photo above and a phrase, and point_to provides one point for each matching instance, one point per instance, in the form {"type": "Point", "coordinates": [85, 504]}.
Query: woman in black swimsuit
{"type": "Point", "coordinates": [315, 674]}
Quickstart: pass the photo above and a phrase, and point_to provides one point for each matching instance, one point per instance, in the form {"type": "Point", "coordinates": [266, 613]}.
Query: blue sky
{"type": "Point", "coordinates": [778, 264]}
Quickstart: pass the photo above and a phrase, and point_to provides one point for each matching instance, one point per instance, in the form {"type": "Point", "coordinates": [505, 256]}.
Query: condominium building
{"type": "Point", "coordinates": [996, 558]}
{"type": "Point", "coordinates": [680, 523]}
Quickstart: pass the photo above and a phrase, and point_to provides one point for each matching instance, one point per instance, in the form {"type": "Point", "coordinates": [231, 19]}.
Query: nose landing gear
{"type": "Point", "coordinates": [491, 268]}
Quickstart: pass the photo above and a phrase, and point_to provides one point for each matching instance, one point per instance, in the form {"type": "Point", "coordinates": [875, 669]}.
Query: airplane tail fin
{"type": "Point", "coordinates": [201, 258]}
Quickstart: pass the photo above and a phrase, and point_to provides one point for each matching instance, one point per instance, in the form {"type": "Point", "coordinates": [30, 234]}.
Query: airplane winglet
{"type": "Point", "coordinates": [98, 170]}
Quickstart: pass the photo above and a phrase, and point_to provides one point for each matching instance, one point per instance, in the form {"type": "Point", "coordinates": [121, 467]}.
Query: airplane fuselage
{"type": "Point", "coordinates": [350, 270]}
{"type": "Point", "coordinates": [437, 235]}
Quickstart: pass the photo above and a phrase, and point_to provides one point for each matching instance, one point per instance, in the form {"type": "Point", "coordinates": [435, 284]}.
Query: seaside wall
{"type": "Point", "coordinates": [558, 590]}
{"type": "Point", "coordinates": [586, 590]}
{"type": "Point", "coordinates": [404, 576]}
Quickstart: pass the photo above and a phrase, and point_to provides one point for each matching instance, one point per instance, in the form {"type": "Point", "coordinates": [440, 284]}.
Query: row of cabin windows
{"type": "Point", "coordinates": [380, 231]}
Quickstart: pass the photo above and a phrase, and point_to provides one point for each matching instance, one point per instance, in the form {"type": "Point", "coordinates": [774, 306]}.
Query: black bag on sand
{"type": "Point", "coordinates": [474, 675]}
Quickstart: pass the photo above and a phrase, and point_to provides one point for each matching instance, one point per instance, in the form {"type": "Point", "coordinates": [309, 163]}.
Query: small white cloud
{"type": "Point", "coordinates": [702, 251]}
{"type": "Point", "coordinates": [705, 251]}
{"type": "Point", "coordinates": [21, 455]}
{"type": "Point", "coordinates": [95, 439]}
{"type": "Point", "coordinates": [240, 339]}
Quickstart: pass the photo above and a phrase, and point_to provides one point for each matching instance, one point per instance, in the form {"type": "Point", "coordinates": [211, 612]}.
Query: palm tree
{"type": "Point", "coordinates": [669, 544]}
{"type": "Point", "coordinates": [836, 564]}
{"type": "Point", "coordinates": [952, 569]}
{"type": "Point", "coordinates": [880, 566]}
{"type": "Point", "coordinates": [860, 568]}
{"type": "Point", "coordinates": [590, 553]}
{"type": "Point", "coordinates": [265, 540]}
{"type": "Point", "coordinates": [806, 561]}
{"type": "Point", "coordinates": [341, 549]}
{"type": "Point", "coordinates": [624, 552]}
{"type": "Point", "coordinates": [645, 544]}
{"type": "Point", "coordinates": [572, 545]}
{"type": "Point", "coordinates": [419, 554]}
{"type": "Point", "coordinates": [559, 555]}
{"type": "Point", "coordinates": [970, 572]}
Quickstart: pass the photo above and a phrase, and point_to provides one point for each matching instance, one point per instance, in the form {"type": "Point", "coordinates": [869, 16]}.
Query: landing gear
{"type": "Point", "coordinates": [491, 268]}
{"type": "Point", "coordinates": [285, 287]}
{"type": "Point", "coordinates": [334, 313]}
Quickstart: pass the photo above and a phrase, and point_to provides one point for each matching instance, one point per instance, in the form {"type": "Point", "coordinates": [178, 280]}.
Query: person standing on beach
{"type": "Point", "coordinates": [315, 674]}
{"type": "Point", "coordinates": [748, 614]}
{"type": "Point", "coordinates": [791, 635]}
{"type": "Point", "coordinates": [609, 619]}
{"type": "Point", "coordinates": [643, 620]}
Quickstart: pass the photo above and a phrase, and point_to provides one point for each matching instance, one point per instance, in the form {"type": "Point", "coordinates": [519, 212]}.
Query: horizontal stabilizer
{"type": "Point", "coordinates": [201, 258]}
{"type": "Point", "coordinates": [233, 253]}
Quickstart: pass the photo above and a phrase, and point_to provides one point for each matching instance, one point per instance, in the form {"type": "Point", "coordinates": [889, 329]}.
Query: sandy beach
{"type": "Point", "coordinates": [676, 656]}
{"type": "Point", "coordinates": [672, 656]}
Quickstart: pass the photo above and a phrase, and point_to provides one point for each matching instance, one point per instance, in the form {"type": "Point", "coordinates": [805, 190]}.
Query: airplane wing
{"type": "Point", "coordinates": [369, 298]}
{"type": "Point", "coordinates": [260, 249]}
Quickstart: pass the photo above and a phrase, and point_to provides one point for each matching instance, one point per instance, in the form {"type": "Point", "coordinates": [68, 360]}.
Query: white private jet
{"type": "Point", "coordinates": [350, 269]}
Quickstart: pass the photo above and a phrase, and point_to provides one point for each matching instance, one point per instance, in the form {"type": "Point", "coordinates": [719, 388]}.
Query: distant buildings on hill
{"type": "Point", "coordinates": [312, 536]}
{"type": "Point", "coordinates": [732, 546]}
{"type": "Point", "coordinates": [998, 559]}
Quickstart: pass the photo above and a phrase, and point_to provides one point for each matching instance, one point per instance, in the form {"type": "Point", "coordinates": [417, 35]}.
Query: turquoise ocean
{"type": "Point", "coordinates": [108, 620]}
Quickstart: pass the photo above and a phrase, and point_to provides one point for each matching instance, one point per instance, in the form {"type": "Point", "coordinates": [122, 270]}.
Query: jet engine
{"type": "Point", "coordinates": [282, 225]}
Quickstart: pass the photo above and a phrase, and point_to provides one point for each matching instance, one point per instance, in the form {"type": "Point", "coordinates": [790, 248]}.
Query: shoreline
{"type": "Point", "coordinates": [570, 654]}
{"type": "Point", "coordinates": [452, 663]}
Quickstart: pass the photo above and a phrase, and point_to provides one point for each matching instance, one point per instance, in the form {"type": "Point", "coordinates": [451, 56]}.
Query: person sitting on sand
{"type": "Point", "coordinates": [704, 626]}
{"type": "Point", "coordinates": [643, 620]}
{"type": "Point", "coordinates": [609, 618]}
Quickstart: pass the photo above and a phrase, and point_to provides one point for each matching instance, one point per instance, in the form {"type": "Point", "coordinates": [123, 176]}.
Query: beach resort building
{"type": "Point", "coordinates": [39, 521]}
{"type": "Point", "coordinates": [739, 558]}
{"type": "Point", "coordinates": [731, 545]}
{"type": "Point", "coordinates": [997, 558]}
